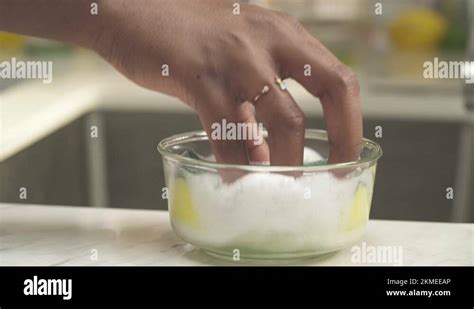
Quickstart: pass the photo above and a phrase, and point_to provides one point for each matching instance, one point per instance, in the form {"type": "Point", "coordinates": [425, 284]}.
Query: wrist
{"type": "Point", "coordinates": [117, 20]}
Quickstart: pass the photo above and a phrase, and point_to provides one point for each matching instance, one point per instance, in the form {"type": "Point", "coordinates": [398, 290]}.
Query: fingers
{"type": "Point", "coordinates": [256, 145]}
{"type": "Point", "coordinates": [281, 116]}
{"type": "Point", "coordinates": [344, 125]}
{"type": "Point", "coordinates": [279, 113]}
{"type": "Point", "coordinates": [285, 123]}
{"type": "Point", "coordinates": [315, 68]}
{"type": "Point", "coordinates": [246, 144]}
{"type": "Point", "coordinates": [217, 113]}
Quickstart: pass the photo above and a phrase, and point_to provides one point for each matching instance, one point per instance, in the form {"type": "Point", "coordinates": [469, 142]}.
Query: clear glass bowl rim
{"type": "Point", "coordinates": [165, 144]}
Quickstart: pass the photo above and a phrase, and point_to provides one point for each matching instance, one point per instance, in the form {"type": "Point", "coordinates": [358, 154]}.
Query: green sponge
{"type": "Point", "coordinates": [316, 163]}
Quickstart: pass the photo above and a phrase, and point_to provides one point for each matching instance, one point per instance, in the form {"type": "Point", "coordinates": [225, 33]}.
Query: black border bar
{"type": "Point", "coordinates": [241, 285]}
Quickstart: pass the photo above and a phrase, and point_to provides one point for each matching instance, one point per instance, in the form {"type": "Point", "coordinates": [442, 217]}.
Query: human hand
{"type": "Point", "coordinates": [219, 62]}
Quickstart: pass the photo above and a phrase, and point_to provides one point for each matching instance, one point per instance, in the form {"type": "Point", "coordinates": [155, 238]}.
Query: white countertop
{"type": "Point", "coordinates": [31, 110]}
{"type": "Point", "coordinates": [57, 235]}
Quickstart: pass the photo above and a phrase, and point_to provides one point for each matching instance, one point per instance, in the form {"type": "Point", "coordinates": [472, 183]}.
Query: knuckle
{"type": "Point", "coordinates": [271, 21]}
{"type": "Point", "coordinates": [237, 40]}
{"type": "Point", "coordinates": [346, 79]}
{"type": "Point", "coordinates": [293, 22]}
{"type": "Point", "coordinates": [261, 19]}
{"type": "Point", "coordinates": [293, 120]}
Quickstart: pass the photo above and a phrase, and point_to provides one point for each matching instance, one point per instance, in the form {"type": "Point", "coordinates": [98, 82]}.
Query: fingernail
{"type": "Point", "coordinates": [260, 163]}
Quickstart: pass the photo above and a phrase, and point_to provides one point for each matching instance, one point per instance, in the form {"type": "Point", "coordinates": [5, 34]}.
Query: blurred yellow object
{"type": "Point", "coordinates": [10, 40]}
{"type": "Point", "coordinates": [181, 203]}
{"type": "Point", "coordinates": [418, 29]}
{"type": "Point", "coordinates": [360, 208]}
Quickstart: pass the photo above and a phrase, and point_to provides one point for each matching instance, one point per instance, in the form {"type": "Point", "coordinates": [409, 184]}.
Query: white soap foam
{"type": "Point", "coordinates": [273, 211]}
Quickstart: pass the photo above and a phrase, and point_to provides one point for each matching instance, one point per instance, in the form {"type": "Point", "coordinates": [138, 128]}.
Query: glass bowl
{"type": "Point", "coordinates": [267, 213]}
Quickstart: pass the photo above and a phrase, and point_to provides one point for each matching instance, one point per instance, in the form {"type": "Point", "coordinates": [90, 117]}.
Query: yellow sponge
{"type": "Point", "coordinates": [360, 208]}
{"type": "Point", "coordinates": [181, 207]}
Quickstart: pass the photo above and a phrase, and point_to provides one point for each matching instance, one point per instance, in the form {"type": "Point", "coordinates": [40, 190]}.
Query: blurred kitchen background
{"type": "Point", "coordinates": [89, 138]}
